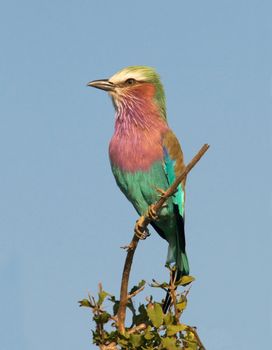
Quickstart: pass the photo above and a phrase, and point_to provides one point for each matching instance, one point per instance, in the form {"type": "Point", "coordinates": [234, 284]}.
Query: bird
{"type": "Point", "coordinates": [146, 156]}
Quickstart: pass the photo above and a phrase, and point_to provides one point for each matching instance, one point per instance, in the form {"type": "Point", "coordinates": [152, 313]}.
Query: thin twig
{"type": "Point", "coordinates": [138, 328]}
{"type": "Point", "coordinates": [136, 292]}
{"type": "Point", "coordinates": [156, 284]}
{"type": "Point", "coordinates": [143, 221]}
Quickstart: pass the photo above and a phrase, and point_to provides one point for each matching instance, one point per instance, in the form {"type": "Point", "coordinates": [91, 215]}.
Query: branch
{"type": "Point", "coordinates": [143, 222]}
{"type": "Point", "coordinates": [132, 295]}
{"type": "Point", "coordinates": [138, 328]}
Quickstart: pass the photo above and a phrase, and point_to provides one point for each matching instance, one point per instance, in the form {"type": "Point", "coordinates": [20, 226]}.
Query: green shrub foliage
{"type": "Point", "coordinates": [150, 328]}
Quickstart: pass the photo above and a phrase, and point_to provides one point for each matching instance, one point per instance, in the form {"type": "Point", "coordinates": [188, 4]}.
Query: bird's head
{"type": "Point", "coordinates": [134, 84]}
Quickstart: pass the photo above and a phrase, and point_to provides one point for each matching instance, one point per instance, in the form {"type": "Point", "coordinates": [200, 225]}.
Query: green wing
{"type": "Point", "coordinates": [173, 167]}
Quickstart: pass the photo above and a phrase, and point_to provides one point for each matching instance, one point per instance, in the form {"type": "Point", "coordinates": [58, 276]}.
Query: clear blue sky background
{"type": "Point", "coordinates": [63, 219]}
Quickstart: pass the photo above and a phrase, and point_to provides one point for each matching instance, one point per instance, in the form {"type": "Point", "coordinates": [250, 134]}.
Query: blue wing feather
{"type": "Point", "coordinates": [169, 168]}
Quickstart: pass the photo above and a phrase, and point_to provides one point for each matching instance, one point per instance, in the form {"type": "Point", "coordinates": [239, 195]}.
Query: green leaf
{"type": "Point", "coordinates": [102, 318]}
{"type": "Point", "coordinates": [112, 298]}
{"type": "Point", "coordinates": [155, 314]}
{"type": "Point", "coordinates": [173, 329]}
{"type": "Point", "coordinates": [116, 304]}
{"type": "Point", "coordinates": [112, 336]}
{"type": "Point", "coordinates": [185, 280]}
{"type": "Point", "coordinates": [191, 341]}
{"type": "Point", "coordinates": [140, 284]}
{"type": "Point", "coordinates": [192, 347]}
{"type": "Point", "coordinates": [168, 319]}
{"type": "Point", "coordinates": [101, 297]}
{"type": "Point", "coordinates": [96, 337]}
{"type": "Point", "coordinates": [182, 303]}
{"type": "Point", "coordinates": [116, 307]}
{"type": "Point", "coordinates": [85, 302]}
{"type": "Point", "coordinates": [123, 342]}
{"type": "Point", "coordinates": [148, 335]}
{"type": "Point", "coordinates": [141, 317]}
{"type": "Point", "coordinates": [136, 340]}
{"type": "Point", "coordinates": [159, 285]}
{"type": "Point", "coordinates": [169, 344]}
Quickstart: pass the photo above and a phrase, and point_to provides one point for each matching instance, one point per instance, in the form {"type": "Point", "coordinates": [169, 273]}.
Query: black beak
{"type": "Point", "coordinates": [103, 84]}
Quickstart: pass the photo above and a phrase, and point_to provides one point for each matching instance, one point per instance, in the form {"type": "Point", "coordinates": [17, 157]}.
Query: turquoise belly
{"type": "Point", "coordinates": [140, 186]}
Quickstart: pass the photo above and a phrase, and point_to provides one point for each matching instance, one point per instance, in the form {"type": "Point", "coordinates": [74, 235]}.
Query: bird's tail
{"type": "Point", "coordinates": [177, 255]}
{"type": "Point", "coordinates": [176, 250]}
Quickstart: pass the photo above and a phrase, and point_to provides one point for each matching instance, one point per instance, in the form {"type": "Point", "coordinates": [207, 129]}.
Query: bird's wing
{"type": "Point", "coordinates": [173, 167]}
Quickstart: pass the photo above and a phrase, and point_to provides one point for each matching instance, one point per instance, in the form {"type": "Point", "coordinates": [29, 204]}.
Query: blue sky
{"type": "Point", "coordinates": [62, 217]}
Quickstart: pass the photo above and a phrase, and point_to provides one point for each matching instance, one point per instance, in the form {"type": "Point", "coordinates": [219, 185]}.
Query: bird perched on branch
{"type": "Point", "coordinates": [146, 156]}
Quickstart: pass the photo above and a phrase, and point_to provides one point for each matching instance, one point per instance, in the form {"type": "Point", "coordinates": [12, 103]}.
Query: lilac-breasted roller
{"type": "Point", "coordinates": [145, 154]}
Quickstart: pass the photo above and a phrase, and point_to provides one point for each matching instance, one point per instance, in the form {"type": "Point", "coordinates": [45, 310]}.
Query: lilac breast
{"type": "Point", "coordinates": [137, 149]}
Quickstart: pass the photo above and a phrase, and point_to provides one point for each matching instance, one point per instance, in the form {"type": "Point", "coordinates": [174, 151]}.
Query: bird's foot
{"type": "Point", "coordinates": [152, 213]}
{"type": "Point", "coordinates": [160, 191]}
{"type": "Point", "coordinates": [140, 229]}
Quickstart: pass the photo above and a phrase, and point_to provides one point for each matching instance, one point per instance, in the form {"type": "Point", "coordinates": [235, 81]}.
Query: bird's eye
{"type": "Point", "coordinates": [130, 81]}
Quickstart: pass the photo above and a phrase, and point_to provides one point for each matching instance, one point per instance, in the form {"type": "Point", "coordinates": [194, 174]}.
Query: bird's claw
{"type": "Point", "coordinates": [160, 191]}
{"type": "Point", "coordinates": [141, 231]}
{"type": "Point", "coordinates": [163, 192]}
{"type": "Point", "coordinates": [152, 213]}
